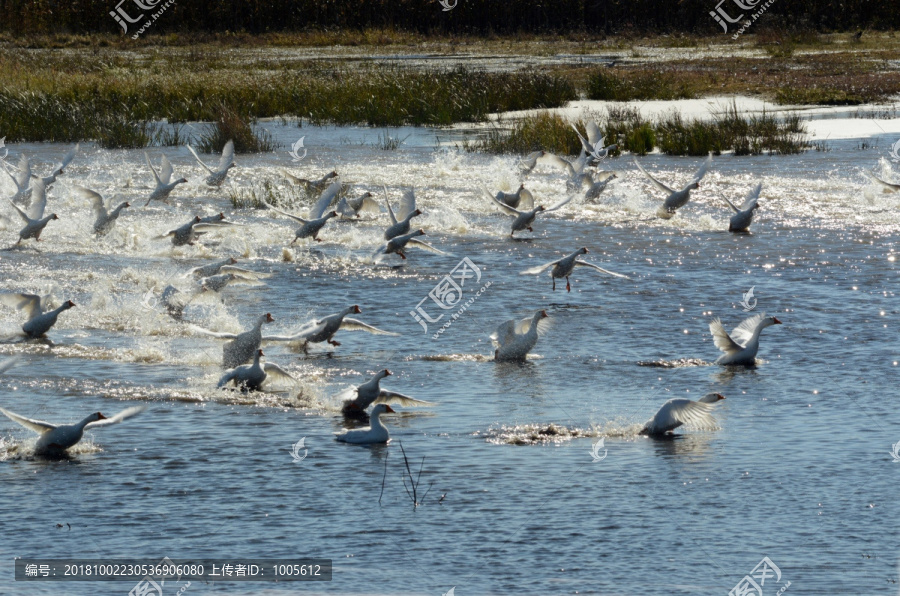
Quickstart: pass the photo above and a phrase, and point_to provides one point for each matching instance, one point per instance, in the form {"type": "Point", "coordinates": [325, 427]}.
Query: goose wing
{"type": "Point", "coordinates": [407, 204]}
{"type": "Point", "coordinates": [325, 200]}
{"type": "Point", "coordinates": [561, 204]}
{"type": "Point", "coordinates": [97, 202]}
{"type": "Point", "coordinates": [30, 303]}
{"type": "Point", "coordinates": [540, 268]}
{"type": "Point", "coordinates": [199, 161]}
{"type": "Point", "coordinates": [752, 197]}
{"type": "Point", "coordinates": [227, 156]}
{"type": "Point", "coordinates": [743, 332]}
{"type": "Point", "coordinates": [692, 413]}
{"type": "Point", "coordinates": [286, 214]}
{"type": "Point", "coordinates": [123, 415]}
{"type": "Point", "coordinates": [425, 246]}
{"type": "Point", "coordinates": [392, 397]}
{"type": "Point", "coordinates": [349, 324]}
{"type": "Point", "coordinates": [506, 208]}
{"type": "Point", "coordinates": [38, 426]}
{"type": "Point", "coordinates": [216, 334]}
{"type": "Point", "coordinates": [721, 338]}
{"type": "Point", "coordinates": [655, 182]}
{"type": "Point", "coordinates": [600, 269]}
{"type": "Point", "coordinates": [66, 160]}
{"type": "Point", "coordinates": [38, 199]}
{"type": "Point", "coordinates": [273, 370]}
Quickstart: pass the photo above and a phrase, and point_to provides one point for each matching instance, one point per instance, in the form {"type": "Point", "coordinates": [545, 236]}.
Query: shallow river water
{"type": "Point", "coordinates": [800, 469]}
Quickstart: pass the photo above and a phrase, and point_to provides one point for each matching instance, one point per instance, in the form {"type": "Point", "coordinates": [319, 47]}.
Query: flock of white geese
{"type": "Point", "coordinates": [243, 356]}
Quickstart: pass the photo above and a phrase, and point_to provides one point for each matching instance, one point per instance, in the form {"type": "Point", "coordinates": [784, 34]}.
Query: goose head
{"type": "Point", "coordinates": [384, 373]}
{"type": "Point", "coordinates": [382, 409]}
{"type": "Point", "coordinates": [583, 251]}
{"type": "Point", "coordinates": [355, 309]}
{"type": "Point", "coordinates": [266, 318]}
{"type": "Point", "coordinates": [539, 208]}
{"type": "Point", "coordinates": [92, 418]}
{"type": "Point", "coordinates": [54, 216]}
{"type": "Point", "coordinates": [711, 398]}
{"type": "Point", "coordinates": [330, 214]}
{"type": "Point", "coordinates": [694, 185]}
{"type": "Point", "coordinates": [68, 304]}
{"type": "Point", "coordinates": [181, 181]}
{"type": "Point", "coordinates": [772, 321]}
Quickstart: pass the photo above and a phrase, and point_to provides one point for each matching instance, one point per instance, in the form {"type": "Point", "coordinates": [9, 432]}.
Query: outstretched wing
{"type": "Point", "coordinates": [325, 200]}
{"type": "Point", "coordinates": [23, 177]}
{"type": "Point", "coordinates": [152, 169]}
{"type": "Point", "coordinates": [123, 415]}
{"type": "Point", "coordinates": [37, 426]}
{"type": "Point", "coordinates": [165, 173]}
{"type": "Point", "coordinates": [721, 338]}
{"type": "Point", "coordinates": [504, 333]}
{"type": "Point", "coordinates": [425, 246]}
{"type": "Point", "coordinates": [199, 161]}
{"type": "Point", "coordinates": [97, 203]}
{"type": "Point", "coordinates": [216, 334]}
{"type": "Point", "coordinates": [561, 204]}
{"type": "Point", "coordinates": [349, 324]}
{"type": "Point", "coordinates": [388, 203]}
{"type": "Point", "coordinates": [30, 303]}
{"type": "Point", "coordinates": [584, 144]}
{"type": "Point", "coordinates": [655, 182]}
{"type": "Point", "coordinates": [227, 156]}
{"type": "Point", "coordinates": [593, 132]}
{"type": "Point", "coordinates": [539, 269]}
{"type": "Point", "coordinates": [692, 413]}
{"type": "Point", "coordinates": [286, 214]}
{"type": "Point", "coordinates": [528, 162]}
{"type": "Point", "coordinates": [66, 160]}
{"type": "Point", "coordinates": [506, 208]}
{"type": "Point", "coordinates": [752, 197]}
{"type": "Point", "coordinates": [703, 169]}
{"type": "Point", "coordinates": [743, 332]}
{"type": "Point", "coordinates": [730, 204]}
{"type": "Point", "coordinates": [391, 397]}
{"type": "Point", "coordinates": [275, 371]}
{"type": "Point", "coordinates": [305, 332]}
{"type": "Point", "coordinates": [559, 162]}
{"type": "Point", "coordinates": [407, 204]}
{"type": "Point", "coordinates": [38, 199]}
{"type": "Point", "coordinates": [526, 199]}
{"type": "Point", "coordinates": [600, 269]}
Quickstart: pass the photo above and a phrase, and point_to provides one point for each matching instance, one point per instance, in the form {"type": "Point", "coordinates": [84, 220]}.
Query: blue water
{"type": "Point", "coordinates": [799, 470]}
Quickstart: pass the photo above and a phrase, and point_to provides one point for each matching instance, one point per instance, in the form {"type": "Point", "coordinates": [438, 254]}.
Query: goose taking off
{"type": "Point", "coordinates": [38, 320]}
{"type": "Point", "coordinates": [398, 244]}
{"type": "Point", "coordinates": [743, 215]}
{"type": "Point", "coordinates": [311, 227]}
{"type": "Point", "coordinates": [164, 183]}
{"type": "Point", "coordinates": [400, 222]}
{"type": "Point", "coordinates": [353, 207]}
{"type": "Point", "coordinates": [34, 219]}
{"type": "Point", "coordinates": [243, 346]}
{"type": "Point", "coordinates": [311, 186]}
{"type": "Point", "coordinates": [676, 199]}
{"type": "Point", "coordinates": [515, 338]}
{"type": "Point", "coordinates": [376, 433]}
{"type": "Point", "coordinates": [324, 329]}
{"type": "Point", "coordinates": [226, 162]}
{"type": "Point", "coordinates": [191, 231]}
{"type": "Point", "coordinates": [593, 146]}
{"type": "Point", "coordinates": [564, 267]}
{"type": "Point", "coordinates": [55, 439]}
{"type": "Point", "coordinates": [59, 169]}
{"type": "Point", "coordinates": [251, 377]}
{"type": "Point", "coordinates": [525, 219]}
{"type": "Point", "coordinates": [104, 215]}
{"type": "Point", "coordinates": [355, 400]}
{"type": "Point", "coordinates": [522, 199]}
{"type": "Point", "coordinates": [682, 411]}
{"type": "Point", "coordinates": [742, 345]}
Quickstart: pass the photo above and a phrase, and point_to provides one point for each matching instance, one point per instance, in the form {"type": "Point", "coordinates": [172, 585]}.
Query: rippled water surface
{"type": "Point", "coordinates": [799, 471]}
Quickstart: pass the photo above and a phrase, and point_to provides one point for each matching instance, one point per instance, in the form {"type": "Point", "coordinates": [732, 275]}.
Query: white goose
{"type": "Point", "coordinates": [742, 345]}
{"type": "Point", "coordinates": [34, 219]}
{"type": "Point", "coordinates": [743, 215]}
{"type": "Point", "coordinates": [317, 216]}
{"type": "Point", "coordinates": [399, 244]}
{"type": "Point", "coordinates": [22, 180]}
{"type": "Point", "coordinates": [251, 377]}
{"type": "Point", "coordinates": [55, 439]}
{"type": "Point", "coordinates": [682, 411]}
{"type": "Point", "coordinates": [61, 166]}
{"type": "Point", "coordinates": [243, 346]}
{"type": "Point", "coordinates": [39, 320]}
{"type": "Point", "coordinates": [676, 199]}
{"type": "Point", "coordinates": [191, 231]}
{"type": "Point", "coordinates": [105, 215]}
{"type": "Point", "coordinates": [353, 207]}
{"type": "Point", "coordinates": [563, 268]}
{"type": "Point", "coordinates": [593, 146]}
{"type": "Point", "coordinates": [324, 329]}
{"type": "Point", "coordinates": [522, 199]}
{"type": "Point", "coordinates": [226, 162]}
{"type": "Point", "coordinates": [164, 183]}
{"type": "Point", "coordinates": [525, 219]}
{"type": "Point", "coordinates": [355, 400]}
{"type": "Point", "coordinates": [515, 338]}
{"type": "Point", "coordinates": [376, 433]}
{"type": "Point", "coordinates": [311, 186]}
{"type": "Point", "coordinates": [400, 222]}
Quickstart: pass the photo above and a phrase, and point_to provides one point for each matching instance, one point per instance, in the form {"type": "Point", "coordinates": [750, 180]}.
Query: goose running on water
{"type": "Point", "coordinates": [676, 199]}
{"type": "Point", "coordinates": [564, 267]}
{"type": "Point", "coordinates": [55, 439]}
{"type": "Point", "coordinates": [514, 339]}
{"type": "Point", "coordinates": [682, 411]}
{"type": "Point", "coordinates": [39, 320]}
{"type": "Point", "coordinates": [741, 346]}
{"type": "Point", "coordinates": [355, 400]}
